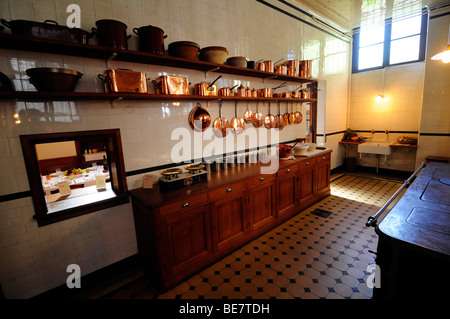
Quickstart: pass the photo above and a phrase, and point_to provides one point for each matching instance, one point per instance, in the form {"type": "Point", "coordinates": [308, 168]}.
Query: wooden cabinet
{"type": "Point", "coordinates": [228, 212]}
{"type": "Point", "coordinates": [323, 173]}
{"type": "Point", "coordinates": [187, 241]}
{"type": "Point", "coordinates": [288, 193]}
{"type": "Point", "coordinates": [181, 232]}
{"type": "Point", "coordinates": [307, 180]}
{"type": "Point", "coordinates": [261, 201]}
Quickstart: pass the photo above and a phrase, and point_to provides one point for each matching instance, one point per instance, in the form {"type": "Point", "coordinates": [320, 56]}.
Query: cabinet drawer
{"type": "Point", "coordinates": [185, 204]}
{"type": "Point", "coordinates": [261, 178]}
{"type": "Point", "coordinates": [224, 191]}
{"type": "Point", "coordinates": [287, 171]}
{"type": "Point", "coordinates": [307, 163]}
{"type": "Point", "coordinates": [323, 158]}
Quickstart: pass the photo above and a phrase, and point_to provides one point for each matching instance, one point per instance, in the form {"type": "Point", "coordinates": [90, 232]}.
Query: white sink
{"type": "Point", "coordinates": [372, 147]}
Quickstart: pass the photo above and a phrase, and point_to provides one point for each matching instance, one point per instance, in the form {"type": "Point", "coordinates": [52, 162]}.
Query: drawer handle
{"type": "Point", "coordinates": [323, 157]}
{"type": "Point", "coordinates": [288, 170]}
{"type": "Point", "coordinates": [185, 204]}
{"type": "Point", "coordinates": [261, 179]}
{"type": "Point", "coordinates": [228, 189]}
{"type": "Point", "coordinates": [307, 163]}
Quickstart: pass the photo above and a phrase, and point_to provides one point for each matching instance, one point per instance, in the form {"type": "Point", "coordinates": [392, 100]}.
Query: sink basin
{"type": "Point", "coordinates": [382, 148]}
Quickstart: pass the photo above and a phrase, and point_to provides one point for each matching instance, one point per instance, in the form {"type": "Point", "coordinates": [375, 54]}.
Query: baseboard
{"type": "Point", "coordinates": [99, 282]}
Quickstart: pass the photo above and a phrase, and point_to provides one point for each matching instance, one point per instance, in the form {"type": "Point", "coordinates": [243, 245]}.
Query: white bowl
{"type": "Point", "coordinates": [300, 149]}
{"type": "Point", "coordinates": [311, 147]}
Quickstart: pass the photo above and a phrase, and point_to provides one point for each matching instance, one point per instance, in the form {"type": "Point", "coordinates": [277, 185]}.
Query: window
{"type": "Point", "coordinates": [396, 40]}
{"type": "Point", "coordinates": [75, 173]}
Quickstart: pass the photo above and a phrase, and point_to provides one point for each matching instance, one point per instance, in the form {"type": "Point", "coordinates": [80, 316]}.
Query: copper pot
{"type": "Point", "coordinates": [199, 118]}
{"type": "Point", "coordinates": [241, 91]}
{"type": "Point", "coordinates": [293, 67]}
{"type": "Point", "coordinates": [260, 66]}
{"type": "Point", "coordinates": [267, 92]}
{"type": "Point", "coordinates": [281, 69]}
{"type": "Point", "coordinates": [221, 125]}
{"type": "Point", "coordinates": [206, 88]}
{"type": "Point", "coordinates": [306, 68]}
{"type": "Point", "coordinates": [167, 84]}
{"type": "Point", "coordinates": [226, 91]}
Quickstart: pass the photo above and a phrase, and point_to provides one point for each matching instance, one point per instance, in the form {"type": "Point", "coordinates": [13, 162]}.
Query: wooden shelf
{"type": "Point", "coordinates": [403, 145]}
{"type": "Point", "coordinates": [12, 42]}
{"type": "Point", "coordinates": [69, 96]}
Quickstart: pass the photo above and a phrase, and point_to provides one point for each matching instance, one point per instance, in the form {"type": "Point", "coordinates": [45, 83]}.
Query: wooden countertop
{"type": "Point", "coordinates": [421, 218]}
{"type": "Point", "coordinates": [153, 197]}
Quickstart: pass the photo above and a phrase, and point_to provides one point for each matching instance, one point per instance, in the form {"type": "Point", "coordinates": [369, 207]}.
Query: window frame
{"type": "Point", "coordinates": [116, 165]}
{"type": "Point", "coordinates": [387, 45]}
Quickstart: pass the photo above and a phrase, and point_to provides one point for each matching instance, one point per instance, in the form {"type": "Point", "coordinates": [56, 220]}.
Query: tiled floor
{"type": "Point", "coordinates": [306, 257]}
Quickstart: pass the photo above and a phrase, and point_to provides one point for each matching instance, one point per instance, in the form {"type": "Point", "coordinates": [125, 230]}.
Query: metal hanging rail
{"type": "Point", "coordinates": [372, 220]}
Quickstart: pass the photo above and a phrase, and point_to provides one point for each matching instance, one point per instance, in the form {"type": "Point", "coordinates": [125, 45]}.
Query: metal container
{"type": "Point", "coordinates": [306, 69]}
{"type": "Point", "coordinates": [281, 69]}
{"type": "Point", "coordinates": [168, 84]}
{"type": "Point", "coordinates": [268, 66]}
{"type": "Point", "coordinates": [120, 80]}
{"type": "Point", "coordinates": [293, 67]}
{"type": "Point", "coordinates": [241, 91]}
{"type": "Point", "coordinates": [49, 30]}
{"type": "Point", "coordinates": [151, 39]}
{"type": "Point", "coordinates": [112, 33]}
{"type": "Point", "coordinates": [54, 79]}
{"type": "Point", "coordinates": [202, 89]}
{"type": "Point", "coordinates": [267, 92]}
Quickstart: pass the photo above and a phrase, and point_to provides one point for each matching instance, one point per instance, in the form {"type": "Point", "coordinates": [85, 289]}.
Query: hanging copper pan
{"type": "Point", "coordinates": [199, 118]}
{"type": "Point", "coordinates": [270, 121]}
{"type": "Point", "coordinates": [280, 122]}
{"type": "Point", "coordinates": [237, 123]}
{"type": "Point", "coordinates": [258, 119]}
{"type": "Point", "coordinates": [221, 124]}
{"type": "Point", "coordinates": [298, 116]}
{"type": "Point", "coordinates": [248, 115]}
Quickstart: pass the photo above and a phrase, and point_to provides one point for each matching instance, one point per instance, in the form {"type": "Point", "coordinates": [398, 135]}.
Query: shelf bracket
{"type": "Point", "coordinates": [211, 70]}
{"type": "Point", "coordinates": [113, 102]}
{"type": "Point", "coordinates": [111, 58]}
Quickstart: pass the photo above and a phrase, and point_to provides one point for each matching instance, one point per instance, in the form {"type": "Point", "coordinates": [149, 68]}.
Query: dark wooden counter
{"type": "Point", "coordinates": [154, 197]}
{"type": "Point", "coordinates": [180, 232]}
{"type": "Point", "coordinates": [413, 251]}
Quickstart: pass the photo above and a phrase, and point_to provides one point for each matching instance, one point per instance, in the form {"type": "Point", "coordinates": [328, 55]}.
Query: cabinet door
{"type": "Point", "coordinates": [261, 204]}
{"type": "Point", "coordinates": [307, 180]}
{"type": "Point", "coordinates": [287, 190]}
{"type": "Point", "coordinates": [188, 241]}
{"type": "Point", "coordinates": [228, 221]}
{"type": "Point", "coordinates": [323, 173]}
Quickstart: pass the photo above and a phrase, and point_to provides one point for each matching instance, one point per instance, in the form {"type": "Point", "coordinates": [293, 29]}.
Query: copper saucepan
{"type": "Point", "coordinates": [298, 116]}
{"type": "Point", "coordinates": [280, 122]}
{"type": "Point", "coordinates": [206, 88]}
{"type": "Point", "coordinates": [237, 123]}
{"type": "Point", "coordinates": [248, 115]}
{"type": "Point", "coordinates": [199, 118]}
{"type": "Point", "coordinates": [270, 121]}
{"type": "Point", "coordinates": [221, 124]}
{"type": "Point", "coordinates": [258, 119]}
{"type": "Point", "coordinates": [226, 91]}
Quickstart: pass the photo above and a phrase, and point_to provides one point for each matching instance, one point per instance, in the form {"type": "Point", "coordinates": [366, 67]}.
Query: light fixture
{"type": "Point", "coordinates": [444, 56]}
{"type": "Point", "coordinates": [380, 97]}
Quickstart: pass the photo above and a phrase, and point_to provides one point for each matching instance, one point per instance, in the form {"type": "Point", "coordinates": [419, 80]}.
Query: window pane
{"type": "Point", "coordinates": [405, 50]}
{"type": "Point", "coordinates": [371, 57]}
{"type": "Point", "coordinates": [371, 36]}
{"type": "Point", "coordinates": [406, 27]}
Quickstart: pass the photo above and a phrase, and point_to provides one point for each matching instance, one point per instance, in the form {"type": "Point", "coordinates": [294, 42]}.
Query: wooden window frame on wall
{"type": "Point", "coordinates": [116, 165]}
{"type": "Point", "coordinates": [387, 45]}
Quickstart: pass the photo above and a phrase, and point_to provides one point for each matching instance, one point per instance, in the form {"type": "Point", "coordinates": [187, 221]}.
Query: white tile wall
{"type": "Point", "coordinates": [34, 259]}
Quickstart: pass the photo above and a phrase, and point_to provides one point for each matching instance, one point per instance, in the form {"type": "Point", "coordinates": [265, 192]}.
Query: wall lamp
{"type": "Point", "coordinates": [444, 56]}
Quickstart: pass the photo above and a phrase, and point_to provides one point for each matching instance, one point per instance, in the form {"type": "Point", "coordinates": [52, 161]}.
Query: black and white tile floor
{"type": "Point", "coordinates": [306, 257]}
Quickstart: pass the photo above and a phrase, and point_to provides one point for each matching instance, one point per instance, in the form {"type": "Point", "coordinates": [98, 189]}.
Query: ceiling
{"type": "Point", "coordinates": [345, 15]}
